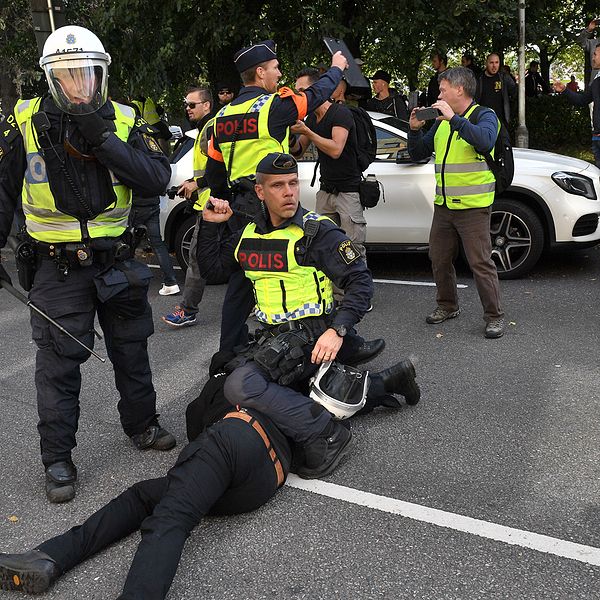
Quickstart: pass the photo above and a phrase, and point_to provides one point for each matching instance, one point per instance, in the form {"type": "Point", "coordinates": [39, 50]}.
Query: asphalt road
{"type": "Point", "coordinates": [506, 433]}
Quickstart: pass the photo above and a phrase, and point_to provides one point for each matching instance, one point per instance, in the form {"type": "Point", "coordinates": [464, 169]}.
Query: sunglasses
{"type": "Point", "coordinates": [221, 92]}
{"type": "Point", "coordinates": [192, 105]}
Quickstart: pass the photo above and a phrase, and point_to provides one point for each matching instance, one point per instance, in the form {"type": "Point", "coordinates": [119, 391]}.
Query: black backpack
{"type": "Point", "coordinates": [502, 164]}
{"type": "Point", "coordinates": [366, 137]}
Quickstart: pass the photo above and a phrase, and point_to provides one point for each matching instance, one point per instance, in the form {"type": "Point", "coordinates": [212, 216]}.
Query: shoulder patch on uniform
{"type": "Point", "coordinates": [348, 252]}
{"type": "Point", "coordinates": [151, 143]}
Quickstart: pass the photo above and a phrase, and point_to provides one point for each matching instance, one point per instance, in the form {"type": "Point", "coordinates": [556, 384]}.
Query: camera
{"type": "Point", "coordinates": [426, 114]}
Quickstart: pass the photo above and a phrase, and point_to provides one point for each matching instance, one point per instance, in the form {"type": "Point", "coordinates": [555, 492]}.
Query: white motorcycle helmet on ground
{"type": "Point", "coordinates": [342, 390]}
{"type": "Point", "coordinates": [76, 67]}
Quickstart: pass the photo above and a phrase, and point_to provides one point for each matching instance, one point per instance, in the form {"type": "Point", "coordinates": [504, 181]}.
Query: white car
{"type": "Point", "coordinates": [553, 201]}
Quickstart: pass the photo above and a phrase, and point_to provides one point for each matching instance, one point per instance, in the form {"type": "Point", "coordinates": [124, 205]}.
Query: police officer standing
{"type": "Point", "coordinates": [75, 158]}
{"type": "Point", "coordinates": [245, 130]}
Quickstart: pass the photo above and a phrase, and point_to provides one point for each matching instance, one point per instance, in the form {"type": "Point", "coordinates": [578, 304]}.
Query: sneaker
{"type": "Point", "coordinates": [154, 437]}
{"type": "Point", "coordinates": [495, 329]}
{"type": "Point", "coordinates": [169, 290]}
{"type": "Point", "coordinates": [439, 315]}
{"type": "Point", "coordinates": [32, 572]}
{"type": "Point", "coordinates": [179, 318]}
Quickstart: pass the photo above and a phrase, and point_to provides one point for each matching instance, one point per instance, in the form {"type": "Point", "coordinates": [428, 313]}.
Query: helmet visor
{"type": "Point", "coordinates": [78, 86]}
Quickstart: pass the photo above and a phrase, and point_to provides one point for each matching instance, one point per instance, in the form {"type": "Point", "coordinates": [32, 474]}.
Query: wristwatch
{"type": "Point", "coordinates": [340, 330]}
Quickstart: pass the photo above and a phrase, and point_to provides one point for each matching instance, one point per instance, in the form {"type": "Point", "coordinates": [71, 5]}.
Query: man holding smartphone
{"type": "Point", "coordinates": [464, 194]}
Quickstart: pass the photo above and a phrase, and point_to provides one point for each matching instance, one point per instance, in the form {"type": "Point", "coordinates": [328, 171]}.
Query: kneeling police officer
{"type": "Point", "coordinates": [292, 257]}
{"type": "Point", "coordinates": [74, 158]}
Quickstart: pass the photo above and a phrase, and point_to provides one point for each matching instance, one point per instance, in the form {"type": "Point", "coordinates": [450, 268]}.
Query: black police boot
{"type": "Point", "coordinates": [60, 481]}
{"type": "Point", "coordinates": [32, 572]}
{"type": "Point", "coordinates": [400, 379]}
{"type": "Point", "coordinates": [366, 352]}
{"type": "Point", "coordinates": [324, 454]}
{"type": "Point", "coordinates": [154, 437]}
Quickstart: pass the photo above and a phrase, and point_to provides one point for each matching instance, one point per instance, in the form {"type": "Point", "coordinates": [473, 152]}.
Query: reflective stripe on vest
{"type": "Point", "coordinates": [200, 158]}
{"type": "Point", "coordinates": [463, 178]}
{"type": "Point", "coordinates": [284, 290]}
{"type": "Point", "coordinates": [43, 220]}
{"type": "Point", "coordinates": [253, 140]}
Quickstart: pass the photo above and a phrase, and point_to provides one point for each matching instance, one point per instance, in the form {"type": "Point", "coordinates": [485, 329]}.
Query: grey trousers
{"type": "Point", "coordinates": [194, 282]}
{"type": "Point", "coordinates": [346, 210]}
{"type": "Point", "coordinates": [472, 227]}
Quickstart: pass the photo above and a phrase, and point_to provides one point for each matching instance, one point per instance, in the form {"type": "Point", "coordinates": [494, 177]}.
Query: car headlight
{"type": "Point", "coordinates": [574, 183]}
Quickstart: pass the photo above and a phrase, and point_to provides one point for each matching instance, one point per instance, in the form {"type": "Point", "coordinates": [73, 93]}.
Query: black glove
{"type": "Point", "coordinates": [92, 127]}
{"type": "Point", "coordinates": [4, 276]}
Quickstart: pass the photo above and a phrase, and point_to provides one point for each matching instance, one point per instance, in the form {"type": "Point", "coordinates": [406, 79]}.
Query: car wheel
{"type": "Point", "coordinates": [183, 239]}
{"type": "Point", "coordinates": [517, 238]}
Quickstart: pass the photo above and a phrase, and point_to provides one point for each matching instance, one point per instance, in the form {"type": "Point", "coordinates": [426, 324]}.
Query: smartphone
{"type": "Point", "coordinates": [426, 114]}
{"type": "Point", "coordinates": [353, 75]}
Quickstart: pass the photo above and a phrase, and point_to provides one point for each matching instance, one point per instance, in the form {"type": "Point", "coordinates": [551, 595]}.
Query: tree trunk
{"type": "Point", "coordinates": [545, 64]}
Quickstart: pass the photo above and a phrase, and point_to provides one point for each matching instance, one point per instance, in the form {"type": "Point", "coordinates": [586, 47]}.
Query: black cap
{"type": "Point", "coordinates": [251, 56]}
{"type": "Point", "coordinates": [225, 87]}
{"type": "Point", "coordinates": [382, 75]}
{"type": "Point", "coordinates": [277, 163]}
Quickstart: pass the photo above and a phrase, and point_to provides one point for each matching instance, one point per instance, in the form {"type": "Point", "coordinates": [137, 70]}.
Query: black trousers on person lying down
{"type": "Point", "coordinates": [227, 470]}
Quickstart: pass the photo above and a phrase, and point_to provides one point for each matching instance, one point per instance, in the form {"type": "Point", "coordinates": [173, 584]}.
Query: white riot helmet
{"type": "Point", "coordinates": [342, 390]}
{"type": "Point", "coordinates": [76, 67]}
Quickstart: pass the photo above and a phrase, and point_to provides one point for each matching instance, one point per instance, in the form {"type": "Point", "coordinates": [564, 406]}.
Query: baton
{"type": "Point", "coordinates": [25, 300]}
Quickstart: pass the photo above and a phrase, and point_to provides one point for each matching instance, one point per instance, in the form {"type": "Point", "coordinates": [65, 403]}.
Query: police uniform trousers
{"type": "Point", "coordinates": [73, 303]}
{"type": "Point", "coordinates": [299, 417]}
{"type": "Point", "coordinates": [225, 471]}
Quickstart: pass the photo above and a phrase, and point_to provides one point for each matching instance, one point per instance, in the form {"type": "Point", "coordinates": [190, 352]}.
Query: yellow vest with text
{"type": "Point", "coordinates": [200, 158]}
{"type": "Point", "coordinates": [43, 220]}
{"type": "Point", "coordinates": [462, 177]}
{"type": "Point", "coordinates": [253, 140]}
{"type": "Point", "coordinates": [283, 289]}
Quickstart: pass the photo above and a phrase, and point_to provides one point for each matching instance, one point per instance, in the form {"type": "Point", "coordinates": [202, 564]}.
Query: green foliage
{"type": "Point", "coordinates": [554, 124]}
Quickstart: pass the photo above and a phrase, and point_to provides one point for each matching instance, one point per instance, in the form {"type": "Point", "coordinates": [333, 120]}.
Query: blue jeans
{"type": "Point", "coordinates": [149, 216]}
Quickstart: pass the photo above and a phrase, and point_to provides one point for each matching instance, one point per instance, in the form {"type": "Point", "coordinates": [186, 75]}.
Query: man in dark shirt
{"type": "Point", "coordinates": [495, 89]}
{"type": "Point", "coordinates": [534, 82]}
{"type": "Point", "coordinates": [331, 129]}
{"type": "Point", "coordinates": [386, 100]}
{"type": "Point", "coordinates": [439, 61]}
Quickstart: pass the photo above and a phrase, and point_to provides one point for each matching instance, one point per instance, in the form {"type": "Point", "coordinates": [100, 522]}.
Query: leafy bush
{"type": "Point", "coordinates": [554, 124]}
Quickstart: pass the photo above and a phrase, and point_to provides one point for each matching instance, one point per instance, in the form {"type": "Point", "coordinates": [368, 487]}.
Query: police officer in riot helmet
{"type": "Point", "coordinates": [292, 257]}
{"type": "Point", "coordinates": [74, 158]}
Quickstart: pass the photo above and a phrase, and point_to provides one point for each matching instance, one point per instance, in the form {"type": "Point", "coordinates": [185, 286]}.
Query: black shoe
{"type": "Point", "coordinates": [366, 352]}
{"type": "Point", "coordinates": [60, 482]}
{"type": "Point", "coordinates": [32, 572]}
{"type": "Point", "coordinates": [154, 437]}
{"type": "Point", "coordinates": [400, 379]}
{"type": "Point", "coordinates": [324, 454]}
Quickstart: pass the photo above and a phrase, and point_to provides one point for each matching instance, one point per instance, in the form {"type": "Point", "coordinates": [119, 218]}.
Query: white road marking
{"type": "Point", "coordinates": [425, 283]}
{"type": "Point", "coordinates": [441, 518]}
